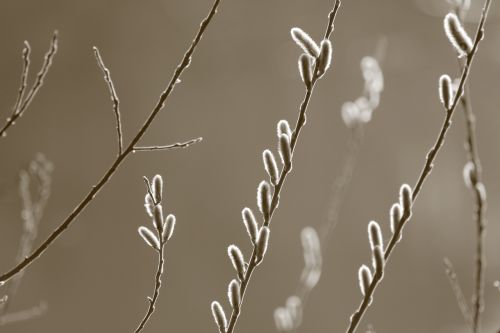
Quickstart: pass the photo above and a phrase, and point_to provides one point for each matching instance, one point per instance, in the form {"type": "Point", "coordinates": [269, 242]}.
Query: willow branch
{"type": "Point", "coordinates": [114, 98]}
{"type": "Point", "coordinates": [21, 105]}
{"type": "Point", "coordinates": [301, 120]}
{"type": "Point", "coordinates": [171, 146]}
{"type": "Point", "coordinates": [427, 168]}
{"type": "Point", "coordinates": [156, 293]}
{"type": "Point", "coordinates": [457, 290]}
{"type": "Point", "coordinates": [186, 59]}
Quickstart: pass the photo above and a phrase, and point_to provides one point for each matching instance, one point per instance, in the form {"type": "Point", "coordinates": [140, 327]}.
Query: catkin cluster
{"type": "Point", "coordinates": [164, 228]}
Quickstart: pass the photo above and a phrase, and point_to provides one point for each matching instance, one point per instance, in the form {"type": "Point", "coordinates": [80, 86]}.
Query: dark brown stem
{"type": "Point", "coordinates": [301, 120]}
{"type": "Point", "coordinates": [114, 98]}
{"type": "Point", "coordinates": [171, 146]}
{"type": "Point", "coordinates": [186, 59]}
{"type": "Point", "coordinates": [152, 300]}
{"type": "Point", "coordinates": [427, 168]}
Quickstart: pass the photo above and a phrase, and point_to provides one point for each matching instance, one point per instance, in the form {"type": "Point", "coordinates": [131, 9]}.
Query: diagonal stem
{"type": "Point", "coordinates": [427, 168]}
{"type": "Point", "coordinates": [186, 59]}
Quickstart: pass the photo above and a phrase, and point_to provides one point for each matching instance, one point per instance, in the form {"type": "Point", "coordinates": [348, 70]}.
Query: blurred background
{"type": "Point", "coordinates": [242, 81]}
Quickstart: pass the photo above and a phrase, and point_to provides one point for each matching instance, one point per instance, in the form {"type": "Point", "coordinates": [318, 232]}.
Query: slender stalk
{"type": "Point", "coordinates": [427, 168]}
{"type": "Point", "coordinates": [114, 98]}
{"type": "Point", "coordinates": [21, 105]}
{"type": "Point", "coordinates": [156, 293]}
{"type": "Point", "coordinates": [171, 146]}
{"type": "Point", "coordinates": [186, 59]}
{"type": "Point", "coordinates": [301, 120]}
{"type": "Point", "coordinates": [480, 204]}
{"type": "Point", "coordinates": [457, 290]}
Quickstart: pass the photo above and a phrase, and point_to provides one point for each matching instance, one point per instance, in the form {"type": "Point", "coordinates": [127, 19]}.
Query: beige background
{"type": "Point", "coordinates": [242, 80]}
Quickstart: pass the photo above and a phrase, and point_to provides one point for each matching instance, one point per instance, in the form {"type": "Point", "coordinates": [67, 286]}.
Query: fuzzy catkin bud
{"type": "Point", "coordinates": [264, 199]}
{"type": "Point", "coordinates": [305, 42]}
{"type": "Point", "coordinates": [365, 279]}
{"type": "Point", "coordinates": [284, 128]}
{"type": "Point", "coordinates": [374, 234]}
{"type": "Point", "coordinates": [470, 175]}
{"type": "Point", "coordinates": [219, 316]}
{"type": "Point", "coordinates": [261, 246]}
{"type": "Point", "coordinates": [378, 260]}
{"type": "Point", "coordinates": [157, 188]}
{"type": "Point", "coordinates": [250, 224]}
{"type": "Point", "coordinates": [305, 68]}
{"type": "Point", "coordinates": [445, 91]}
{"type": "Point", "coordinates": [325, 56]}
{"type": "Point", "coordinates": [149, 237]}
{"type": "Point", "coordinates": [158, 217]}
{"type": "Point", "coordinates": [149, 204]}
{"type": "Point", "coordinates": [285, 151]}
{"type": "Point", "coordinates": [405, 199]}
{"type": "Point", "coordinates": [168, 227]}
{"type": "Point", "coordinates": [270, 166]}
{"type": "Point", "coordinates": [457, 35]}
{"type": "Point", "coordinates": [294, 307]}
{"type": "Point", "coordinates": [237, 260]}
{"type": "Point", "coordinates": [395, 217]}
{"type": "Point", "coordinates": [233, 293]}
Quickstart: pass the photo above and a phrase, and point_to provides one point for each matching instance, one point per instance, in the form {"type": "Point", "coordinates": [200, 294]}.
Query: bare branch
{"type": "Point", "coordinates": [21, 105]}
{"type": "Point", "coordinates": [114, 98]}
{"type": "Point", "coordinates": [457, 290]}
{"type": "Point", "coordinates": [171, 146]}
{"type": "Point", "coordinates": [87, 199]}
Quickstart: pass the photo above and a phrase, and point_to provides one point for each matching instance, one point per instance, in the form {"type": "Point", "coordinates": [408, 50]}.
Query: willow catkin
{"type": "Point", "coordinates": [284, 128]}
{"type": "Point", "coordinates": [305, 42]}
{"type": "Point", "coordinates": [378, 260]}
{"type": "Point", "coordinates": [168, 227]}
{"type": "Point", "coordinates": [283, 319]}
{"type": "Point", "coordinates": [470, 175]}
{"type": "Point", "coordinates": [149, 237]}
{"type": "Point", "coordinates": [250, 224]}
{"type": "Point", "coordinates": [305, 68]}
{"type": "Point", "coordinates": [158, 217]}
{"type": "Point", "coordinates": [264, 199]}
{"type": "Point", "coordinates": [219, 316]}
{"type": "Point", "coordinates": [365, 279]}
{"type": "Point", "coordinates": [237, 260]}
{"type": "Point", "coordinates": [270, 166]}
{"type": "Point", "coordinates": [405, 199]}
{"type": "Point", "coordinates": [325, 56]}
{"type": "Point", "coordinates": [457, 35]}
{"type": "Point", "coordinates": [294, 306]}
{"type": "Point", "coordinates": [445, 91]}
{"type": "Point", "coordinates": [149, 204]}
{"type": "Point", "coordinates": [158, 188]}
{"type": "Point", "coordinates": [374, 234]}
{"type": "Point", "coordinates": [261, 246]}
{"type": "Point", "coordinates": [285, 151]}
{"type": "Point", "coordinates": [395, 216]}
{"type": "Point", "coordinates": [233, 294]}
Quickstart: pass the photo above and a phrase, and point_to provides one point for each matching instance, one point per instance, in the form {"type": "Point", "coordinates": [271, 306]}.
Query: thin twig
{"type": "Point", "coordinates": [152, 300]}
{"type": "Point", "coordinates": [171, 146]}
{"type": "Point", "coordinates": [150, 191]}
{"type": "Point", "coordinates": [23, 315]}
{"type": "Point", "coordinates": [21, 106]}
{"type": "Point", "coordinates": [480, 204]}
{"type": "Point", "coordinates": [186, 60]}
{"type": "Point", "coordinates": [114, 98]}
{"type": "Point", "coordinates": [24, 76]}
{"type": "Point", "coordinates": [277, 188]}
{"type": "Point", "coordinates": [457, 290]}
{"type": "Point", "coordinates": [427, 168]}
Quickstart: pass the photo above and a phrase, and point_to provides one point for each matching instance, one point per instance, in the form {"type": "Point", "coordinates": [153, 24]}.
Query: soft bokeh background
{"type": "Point", "coordinates": [242, 80]}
